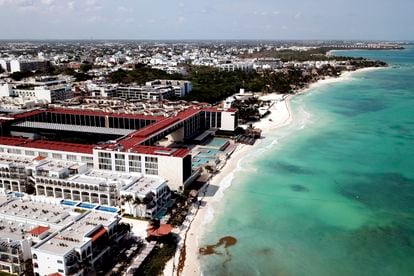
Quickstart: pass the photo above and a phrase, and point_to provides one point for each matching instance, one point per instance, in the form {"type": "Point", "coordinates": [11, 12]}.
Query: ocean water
{"type": "Point", "coordinates": [333, 192]}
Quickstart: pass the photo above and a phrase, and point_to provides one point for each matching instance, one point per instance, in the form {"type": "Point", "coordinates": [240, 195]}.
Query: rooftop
{"type": "Point", "coordinates": [78, 233]}
{"type": "Point", "coordinates": [144, 186]}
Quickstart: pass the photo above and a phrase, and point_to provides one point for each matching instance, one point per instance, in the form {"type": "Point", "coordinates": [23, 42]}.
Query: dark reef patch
{"type": "Point", "coordinates": [299, 188]}
{"type": "Point", "coordinates": [290, 168]}
{"type": "Point", "coordinates": [385, 191]}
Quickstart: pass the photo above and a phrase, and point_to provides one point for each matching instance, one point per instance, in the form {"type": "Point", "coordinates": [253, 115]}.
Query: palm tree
{"type": "Point", "coordinates": [138, 203]}
{"type": "Point", "coordinates": [129, 199]}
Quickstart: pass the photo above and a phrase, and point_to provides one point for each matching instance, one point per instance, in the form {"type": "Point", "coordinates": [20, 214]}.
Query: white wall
{"type": "Point", "coordinates": [227, 121]}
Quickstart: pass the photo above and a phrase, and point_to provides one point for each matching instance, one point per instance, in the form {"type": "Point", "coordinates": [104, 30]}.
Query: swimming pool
{"type": "Point", "coordinates": [218, 143]}
{"type": "Point", "coordinates": [68, 202]}
{"type": "Point", "coordinates": [86, 205]}
{"type": "Point", "coordinates": [106, 209]}
{"type": "Point", "coordinates": [207, 152]}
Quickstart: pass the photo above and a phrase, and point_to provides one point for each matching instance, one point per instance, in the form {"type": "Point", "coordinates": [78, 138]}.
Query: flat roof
{"type": "Point", "coordinates": [102, 113]}
{"type": "Point", "coordinates": [76, 234]}
{"type": "Point", "coordinates": [37, 212]}
{"type": "Point", "coordinates": [97, 177]}
{"type": "Point", "coordinates": [47, 145]}
{"type": "Point", "coordinates": [162, 151]}
{"type": "Point", "coordinates": [75, 128]}
{"type": "Point", "coordinates": [144, 186]}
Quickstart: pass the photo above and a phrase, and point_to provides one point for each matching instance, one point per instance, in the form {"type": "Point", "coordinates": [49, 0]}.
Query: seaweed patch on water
{"type": "Point", "coordinates": [211, 249]}
{"type": "Point", "coordinates": [224, 242]}
{"type": "Point", "coordinates": [299, 188]}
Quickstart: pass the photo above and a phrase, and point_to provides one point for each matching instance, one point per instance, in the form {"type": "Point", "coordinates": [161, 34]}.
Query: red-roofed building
{"type": "Point", "coordinates": [135, 152]}
{"type": "Point", "coordinates": [39, 231]}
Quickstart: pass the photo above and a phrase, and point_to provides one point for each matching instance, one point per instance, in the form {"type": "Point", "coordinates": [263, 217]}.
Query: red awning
{"type": "Point", "coordinates": [100, 232]}
{"type": "Point", "coordinates": [163, 230]}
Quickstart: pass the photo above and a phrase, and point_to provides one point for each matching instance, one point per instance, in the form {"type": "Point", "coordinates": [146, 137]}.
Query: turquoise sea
{"type": "Point", "coordinates": [333, 192]}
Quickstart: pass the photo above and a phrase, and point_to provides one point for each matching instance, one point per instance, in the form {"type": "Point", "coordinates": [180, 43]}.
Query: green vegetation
{"type": "Point", "coordinates": [17, 76]}
{"type": "Point", "coordinates": [248, 110]}
{"type": "Point", "coordinates": [5, 274]}
{"type": "Point", "coordinates": [140, 75]}
{"type": "Point", "coordinates": [78, 210]}
{"type": "Point", "coordinates": [212, 85]}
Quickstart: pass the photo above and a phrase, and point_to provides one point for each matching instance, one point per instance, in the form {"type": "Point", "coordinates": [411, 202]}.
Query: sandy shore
{"type": "Point", "coordinates": [280, 116]}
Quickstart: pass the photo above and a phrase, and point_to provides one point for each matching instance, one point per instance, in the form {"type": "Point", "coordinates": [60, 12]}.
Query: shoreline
{"type": "Point", "coordinates": [281, 115]}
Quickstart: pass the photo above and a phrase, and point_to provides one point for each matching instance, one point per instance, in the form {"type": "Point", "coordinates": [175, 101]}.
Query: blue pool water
{"type": "Point", "coordinates": [207, 152]}
{"type": "Point", "coordinates": [107, 209]}
{"type": "Point", "coordinates": [218, 142]}
{"type": "Point", "coordinates": [86, 205]}
{"type": "Point", "coordinates": [68, 202]}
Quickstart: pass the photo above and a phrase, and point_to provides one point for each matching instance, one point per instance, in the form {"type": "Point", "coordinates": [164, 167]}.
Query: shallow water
{"type": "Point", "coordinates": [332, 193]}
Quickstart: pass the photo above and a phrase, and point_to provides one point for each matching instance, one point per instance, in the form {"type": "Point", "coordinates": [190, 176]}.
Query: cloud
{"type": "Point", "coordinates": [180, 19]}
{"type": "Point", "coordinates": [124, 9]}
{"type": "Point", "coordinates": [297, 15]}
{"type": "Point", "coordinates": [276, 12]}
{"type": "Point", "coordinates": [90, 2]}
{"type": "Point", "coordinates": [48, 2]}
{"type": "Point", "coordinates": [95, 19]}
{"type": "Point", "coordinates": [71, 5]}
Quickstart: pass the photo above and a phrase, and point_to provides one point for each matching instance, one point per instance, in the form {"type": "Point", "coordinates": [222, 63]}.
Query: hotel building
{"type": "Point", "coordinates": [114, 142]}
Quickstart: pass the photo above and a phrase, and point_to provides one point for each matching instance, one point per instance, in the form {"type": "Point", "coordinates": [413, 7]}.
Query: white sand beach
{"type": "Point", "coordinates": [280, 116]}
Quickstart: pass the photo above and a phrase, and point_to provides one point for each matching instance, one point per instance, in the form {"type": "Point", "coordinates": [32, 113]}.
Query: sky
{"type": "Point", "coordinates": [207, 19]}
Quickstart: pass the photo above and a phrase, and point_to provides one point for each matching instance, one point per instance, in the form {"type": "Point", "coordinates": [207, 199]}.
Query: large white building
{"type": "Point", "coordinates": [48, 89]}
{"type": "Point", "coordinates": [80, 247]}
{"type": "Point", "coordinates": [49, 238]}
{"type": "Point", "coordinates": [73, 183]}
{"type": "Point", "coordinates": [23, 65]}
{"type": "Point", "coordinates": [24, 223]}
{"type": "Point", "coordinates": [153, 90]}
{"type": "Point", "coordinates": [133, 150]}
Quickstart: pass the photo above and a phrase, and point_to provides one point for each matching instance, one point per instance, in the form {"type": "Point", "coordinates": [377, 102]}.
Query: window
{"type": "Point", "coordinates": [135, 163]}
{"type": "Point", "coordinates": [30, 152]}
{"type": "Point", "coordinates": [59, 262]}
{"type": "Point", "coordinates": [105, 160]}
{"type": "Point", "coordinates": [42, 153]}
{"type": "Point", "coordinates": [15, 151]}
{"type": "Point", "coordinates": [88, 161]}
{"type": "Point", "coordinates": [57, 156]}
{"type": "Point", "coordinates": [119, 162]}
{"type": "Point", "coordinates": [151, 165]}
{"type": "Point", "coordinates": [71, 157]}
{"type": "Point", "coordinates": [60, 270]}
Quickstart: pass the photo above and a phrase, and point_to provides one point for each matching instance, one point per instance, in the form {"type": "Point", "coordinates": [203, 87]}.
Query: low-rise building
{"type": "Point", "coordinates": [49, 89]}
{"type": "Point", "coordinates": [79, 248]}
{"type": "Point", "coordinates": [24, 223]}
